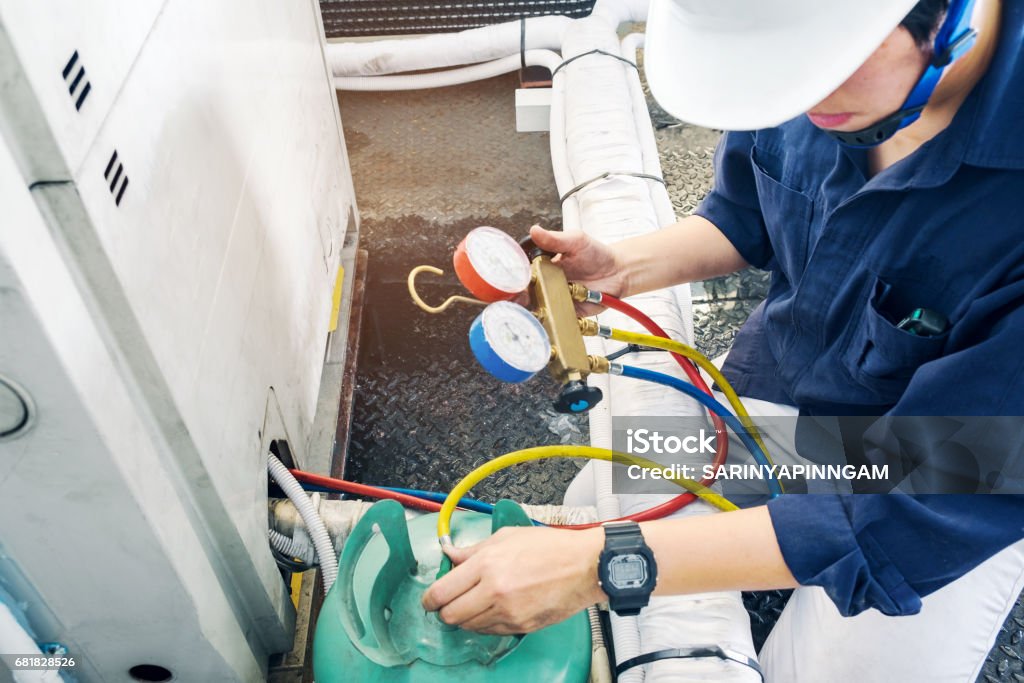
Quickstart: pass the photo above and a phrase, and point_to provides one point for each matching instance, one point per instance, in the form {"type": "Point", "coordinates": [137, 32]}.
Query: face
{"type": "Point", "coordinates": [876, 89]}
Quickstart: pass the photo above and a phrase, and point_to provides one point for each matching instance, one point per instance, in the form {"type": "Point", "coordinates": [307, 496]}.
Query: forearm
{"type": "Point", "coordinates": [522, 579]}
{"type": "Point", "coordinates": [731, 551]}
{"type": "Point", "coordinates": [719, 552]}
{"type": "Point", "coordinates": [693, 249]}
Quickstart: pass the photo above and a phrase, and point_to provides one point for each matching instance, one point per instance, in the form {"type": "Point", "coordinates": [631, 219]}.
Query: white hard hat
{"type": "Point", "coordinates": [749, 64]}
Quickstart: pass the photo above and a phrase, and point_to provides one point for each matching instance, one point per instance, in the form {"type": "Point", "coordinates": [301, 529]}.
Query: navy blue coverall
{"type": "Point", "coordinates": [852, 255]}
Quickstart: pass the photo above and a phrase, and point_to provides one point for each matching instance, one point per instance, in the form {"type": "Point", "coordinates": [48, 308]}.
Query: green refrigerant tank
{"type": "Point", "coordinates": [372, 627]}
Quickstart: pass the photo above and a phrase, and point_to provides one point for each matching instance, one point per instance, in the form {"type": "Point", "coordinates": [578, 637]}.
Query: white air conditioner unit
{"type": "Point", "coordinates": [175, 194]}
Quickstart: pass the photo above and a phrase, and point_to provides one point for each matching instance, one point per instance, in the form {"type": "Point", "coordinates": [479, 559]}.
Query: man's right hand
{"type": "Point", "coordinates": [692, 249]}
{"type": "Point", "coordinates": [586, 261]}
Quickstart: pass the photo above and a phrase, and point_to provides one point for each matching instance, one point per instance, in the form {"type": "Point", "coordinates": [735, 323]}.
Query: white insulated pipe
{"type": "Point", "coordinates": [561, 514]}
{"type": "Point", "coordinates": [616, 12]}
{"type": "Point", "coordinates": [631, 43]}
{"type": "Point", "coordinates": [443, 50]}
{"type": "Point", "coordinates": [441, 79]}
{"type": "Point", "coordinates": [659, 191]}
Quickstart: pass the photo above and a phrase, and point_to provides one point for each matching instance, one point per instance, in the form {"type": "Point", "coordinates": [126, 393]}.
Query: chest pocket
{"type": "Point", "coordinates": [881, 357]}
{"type": "Point", "coordinates": [787, 213]}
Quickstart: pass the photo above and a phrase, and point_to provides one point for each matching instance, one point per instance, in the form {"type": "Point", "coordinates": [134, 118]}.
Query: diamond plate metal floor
{"type": "Point", "coordinates": [425, 413]}
{"type": "Point", "coordinates": [428, 167]}
{"type": "Point", "coordinates": [446, 154]}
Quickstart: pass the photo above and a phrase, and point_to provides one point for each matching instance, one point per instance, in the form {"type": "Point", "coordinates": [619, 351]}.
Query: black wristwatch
{"type": "Point", "coordinates": [626, 569]}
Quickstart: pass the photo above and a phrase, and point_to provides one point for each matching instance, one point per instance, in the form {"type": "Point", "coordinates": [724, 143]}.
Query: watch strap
{"type": "Point", "coordinates": [622, 536]}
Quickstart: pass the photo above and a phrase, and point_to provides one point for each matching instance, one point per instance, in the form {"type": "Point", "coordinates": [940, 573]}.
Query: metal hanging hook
{"type": "Point", "coordinates": [447, 302]}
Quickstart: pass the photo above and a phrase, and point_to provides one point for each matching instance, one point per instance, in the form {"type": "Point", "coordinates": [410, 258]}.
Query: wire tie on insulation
{"type": "Point", "coordinates": [609, 174]}
{"type": "Point", "coordinates": [598, 51]}
{"type": "Point", "coordinates": [691, 653]}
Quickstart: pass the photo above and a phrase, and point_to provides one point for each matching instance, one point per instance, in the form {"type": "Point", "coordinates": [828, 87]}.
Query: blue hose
{"type": "Point", "coordinates": [464, 503]}
{"type": "Point", "coordinates": [774, 488]}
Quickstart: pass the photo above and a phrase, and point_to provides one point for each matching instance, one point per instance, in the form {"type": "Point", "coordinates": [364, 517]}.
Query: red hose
{"type": "Point", "coordinates": [693, 373]}
{"type": "Point", "coordinates": [364, 490]}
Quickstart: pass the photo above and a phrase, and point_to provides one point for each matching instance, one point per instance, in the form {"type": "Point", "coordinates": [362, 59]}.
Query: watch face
{"type": "Point", "coordinates": [627, 571]}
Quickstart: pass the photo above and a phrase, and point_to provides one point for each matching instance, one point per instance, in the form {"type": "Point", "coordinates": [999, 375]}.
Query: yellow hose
{"type": "Point", "coordinates": [444, 519]}
{"type": "Point", "coordinates": [700, 359]}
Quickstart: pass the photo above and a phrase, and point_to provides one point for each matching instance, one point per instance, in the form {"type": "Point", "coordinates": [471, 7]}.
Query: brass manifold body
{"type": "Point", "coordinates": [553, 300]}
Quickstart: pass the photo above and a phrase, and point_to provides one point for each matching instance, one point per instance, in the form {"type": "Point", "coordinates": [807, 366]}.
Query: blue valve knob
{"type": "Point", "coordinates": [577, 397]}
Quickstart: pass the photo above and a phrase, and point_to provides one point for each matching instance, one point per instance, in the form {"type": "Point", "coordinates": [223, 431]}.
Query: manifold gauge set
{"type": "Point", "coordinates": [513, 341]}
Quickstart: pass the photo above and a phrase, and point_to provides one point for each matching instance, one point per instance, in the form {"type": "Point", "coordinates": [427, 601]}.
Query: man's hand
{"type": "Point", "coordinates": [586, 261]}
{"type": "Point", "coordinates": [519, 580]}
{"type": "Point", "coordinates": [692, 249]}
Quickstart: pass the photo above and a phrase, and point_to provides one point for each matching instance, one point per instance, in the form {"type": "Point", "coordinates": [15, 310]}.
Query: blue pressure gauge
{"type": "Point", "coordinates": [509, 342]}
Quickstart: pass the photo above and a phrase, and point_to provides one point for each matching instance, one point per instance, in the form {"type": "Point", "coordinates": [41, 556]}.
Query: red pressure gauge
{"type": "Point", "coordinates": [491, 265]}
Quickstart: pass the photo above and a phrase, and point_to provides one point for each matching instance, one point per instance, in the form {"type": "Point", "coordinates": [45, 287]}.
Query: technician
{"type": "Point", "coordinates": [890, 212]}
